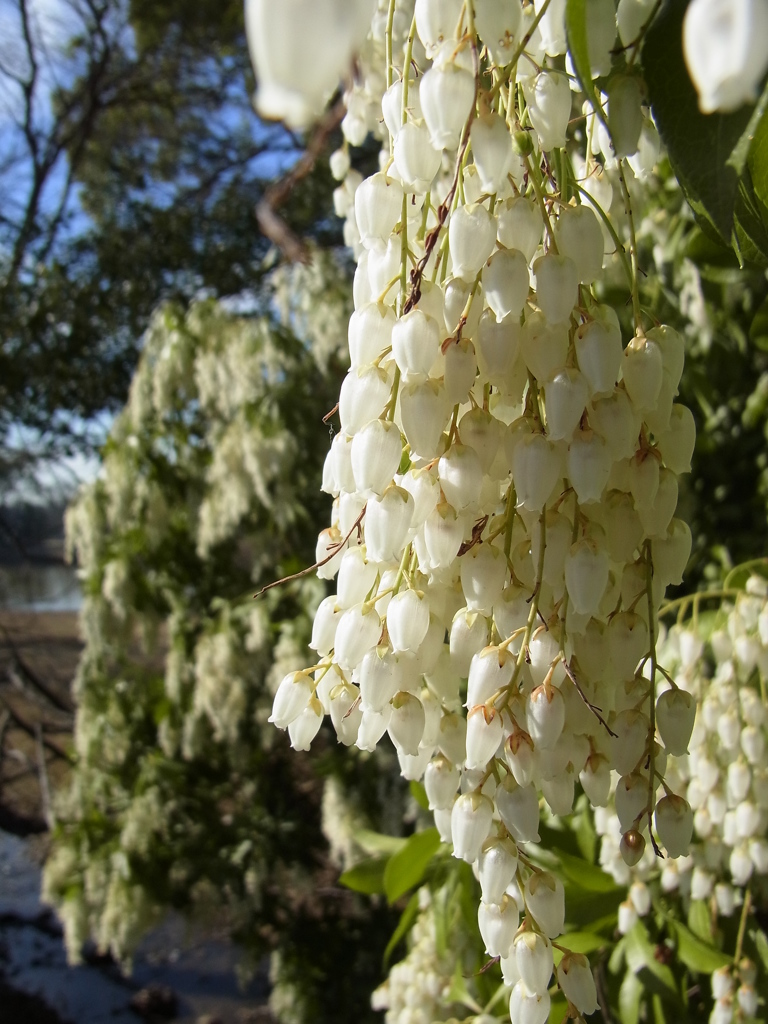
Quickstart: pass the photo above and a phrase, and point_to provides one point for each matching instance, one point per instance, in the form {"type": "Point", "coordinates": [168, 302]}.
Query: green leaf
{"type": "Point", "coordinates": [404, 925]}
{"type": "Point", "coordinates": [460, 993]}
{"type": "Point", "coordinates": [642, 961]}
{"type": "Point", "coordinates": [578, 47]}
{"type": "Point", "coordinates": [580, 942]}
{"type": "Point", "coordinates": [700, 146]}
{"type": "Point", "coordinates": [367, 876]}
{"type": "Point", "coordinates": [758, 331]}
{"type": "Point", "coordinates": [585, 875]}
{"type": "Point", "coordinates": [630, 994]}
{"type": "Point", "coordinates": [419, 794]}
{"type": "Point", "coordinates": [695, 953]}
{"type": "Point", "coordinates": [761, 944]}
{"type": "Point", "coordinates": [406, 867]}
{"type": "Point", "coordinates": [378, 842]}
{"type": "Point", "coordinates": [699, 920]}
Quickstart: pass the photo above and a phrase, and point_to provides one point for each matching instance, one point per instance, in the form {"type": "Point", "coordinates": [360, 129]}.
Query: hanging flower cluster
{"type": "Point", "coordinates": [721, 666]}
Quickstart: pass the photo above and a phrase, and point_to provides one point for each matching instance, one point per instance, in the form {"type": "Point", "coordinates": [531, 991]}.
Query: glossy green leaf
{"type": "Point", "coordinates": [578, 47]}
{"type": "Point", "coordinates": [630, 995]}
{"type": "Point", "coordinates": [579, 942]}
{"type": "Point", "coordinates": [642, 961]}
{"type": "Point", "coordinates": [761, 944]}
{"type": "Point", "coordinates": [695, 953]}
{"type": "Point", "coordinates": [699, 920]}
{"type": "Point", "coordinates": [585, 875]}
{"type": "Point", "coordinates": [404, 925]}
{"type": "Point", "coordinates": [758, 330]}
{"type": "Point", "coordinates": [367, 876]}
{"type": "Point", "coordinates": [419, 794]}
{"type": "Point", "coordinates": [406, 867]}
{"type": "Point", "coordinates": [558, 1009]}
{"type": "Point", "coordinates": [700, 146]}
{"type": "Point", "coordinates": [378, 842]}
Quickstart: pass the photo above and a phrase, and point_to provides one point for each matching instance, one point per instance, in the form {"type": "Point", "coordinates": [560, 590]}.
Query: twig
{"type": "Point", "coordinates": [323, 561]}
{"type": "Point", "coordinates": [271, 223]}
{"type": "Point", "coordinates": [596, 711]}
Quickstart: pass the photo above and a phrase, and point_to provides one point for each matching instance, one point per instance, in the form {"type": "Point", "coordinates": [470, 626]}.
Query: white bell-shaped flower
{"type": "Point", "coordinates": [436, 21]}
{"type": "Point", "coordinates": [580, 237]}
{"type": "Point", "coordinates": [631, 798]}
{"type": "Point", "coordinates": [519, 754]}
{"type": "Point", "coordinates": [292, 697]}
{"type": "Point", "coordinates": [423, 487]}
{"type": "Point", "coordinates": [675, 715]}
{"type": "Point", "coordinates": [671, 553]}
{"type": "Point", "coordinates": [535, 963]}
{"type": "Point", "coordinates": [383, 265]}
{"type": "Point", "coordinates": [363, 397]}
{"type": "Point", "coordinates": [490, 669]}
{"type": "Point", "coordinates": [471, 819]}
{"type": "Point", "coordinates": [491, 148]}
{"type": "Point", "coordinates": [677, 443]}
{"type": "Point", "coordinates": [595, 779]}
{"type": "Point", "coordinates": [481, 431]}
{"type": "Point", "coordinates": [416, 159]}
{"type": "Point", "coordinates": [471, 240]}
{"type": "Point", "coordinates": [346, 714]}
{"type": "Point", "coordinates": [424, 412]}
{"type": "Point", "coordinates": [498, 923]}
{"type": "Point", "coordinates": [545, 900]}
{"type": "Point", "coordinates": [482, 570]}
{"type": "Point", "coordinates": [496, 868]}
{"type": "Point", "coordinates": [406, 724]}
{"type": "Point", "coordinates": [644, 161]}
{"type": "Point", "coordinates": [588, 465]}
{"type": "Point", "coordinates": [380, 675]}
{"type": "Point", "coordinates": [460, 370]}
{"type": "Point", "coordinates": [340, 458]}
{"type": "Point", "coordinates": [443, 534]}
{"type": "Point", "coordinates": [461, 476]}
{"type": "Point", "coordinates": [357, 632]}
{"type": "Point", "coordinates": [617, 421]}
{"type": "Point", "coordinates": [642, 369]}
{"type": "Point", "coordinates": [631, 16]}
{"type": "Point", "coordinates": [324, 626]}
{"type": "Point", "coordinates": [528, 1007]}
{"type": "Point", "coordinates": [630, 742]}
{"type": "Point", "coordinates": [378, 205]}
{"type": "Point", "coordinates": [387, 523]}
{"type": "Point", "coordinates": [407, 621]}
{"type": "Point", "coordinates": [627, 635]}
{"type": "Point", "coordinates": [373, 725]}
{"type": "Point", "coordinates": [329, 552]}
{"type": "Point", "coordinates": [599, 352]}
{"type": "Point", "coordinates": [546, 716]}
{"type": "Point", "coordinates": [643, 478]}
{"type": "Point", "coordinates": [370, 333]}
{"type": "Point", "coordinates": [725, 45]}
{"type": "Point", "coordinates": [536, 466]}
{"type": "Point", "coordinates": [656, 519]}
{"type": "Point", "coordinates": [672, 348]}
{"type": "Point", "coordinates": [557, 286]}
{"type": "Point", "coordinates": [575, 979]}
{"type": "Point", "coordinates": [484, 734]}
{"type": "Point", "coordinates": [415, 344]}
{"type": "Point", "coordinates": [376, 453]}
{"type": "Point", "coordinates": [356, 578]}
{"type": "Point", "coordinates": [552, 26]}
{"type": "Point", "coordinates": [441, 780]}
{"type": "Point", "coordinates": [544, 346]}
{"type": "Point", "coordinates": [586, 575]}
{"type": "Point", "coordinates": [519, 225]}
{"type": "Point", "coordinates": [468, 636]}
{"type": "Point", "coordinates": [518, 808]}
{"type": "Point", "coordinates": [549, 106]}
{"type": "Point", "coordinates": [331, 31]}
{"type": "Point", "coordinates": [302, 730]}
{"type": "Point", "coordinates": [497, 346]}
{"type": "Point", "coordinates": [506, 282]}
{"type": "Point", "coordinates": [499, 26]}
{"type": "Point", "coordinates": [674, 825]}
{"type": "Point", "coordinates": [625, 114]}
{"type": "Point", "coordinates": [447, 96]}
{"type": "Point", "coordinates": [566, 399]}
{"type": "Point", "coordinates": [601, 34]}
